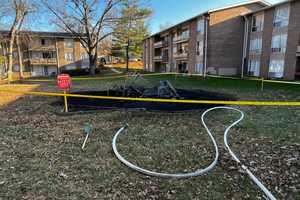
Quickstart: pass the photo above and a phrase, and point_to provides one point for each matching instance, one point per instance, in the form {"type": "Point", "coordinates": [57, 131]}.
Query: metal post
{"type": "Point", "coordinates": [66, 101]}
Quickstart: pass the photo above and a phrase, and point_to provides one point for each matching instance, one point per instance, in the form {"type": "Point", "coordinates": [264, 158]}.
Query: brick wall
{"type": "Point", "coordinates": [293, 40]}
{"type": "Point", "coordinates": [192, 46]}
{"type": "Point", "coordinates": [267, 41]}
{"type": "Point", "coordinates": [225, 38]}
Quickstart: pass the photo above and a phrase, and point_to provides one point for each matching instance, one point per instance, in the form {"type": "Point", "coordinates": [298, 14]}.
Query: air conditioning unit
{"type": "Point", "coordinates": [274, 50]}
{"type": "Point", "coordinates": [277, 24]}
{"type": "Point", "coordinates": [254, 29]}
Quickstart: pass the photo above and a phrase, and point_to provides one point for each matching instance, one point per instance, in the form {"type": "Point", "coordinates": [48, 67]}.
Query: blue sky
{"type": "Point", "coordinates": [174, 11]}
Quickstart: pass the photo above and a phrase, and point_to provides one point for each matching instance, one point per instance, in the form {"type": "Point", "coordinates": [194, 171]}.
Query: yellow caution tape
{"type": "Point", "coordinates": [250, 103]}
{"type": "Point", "coordinates": [255, 79]}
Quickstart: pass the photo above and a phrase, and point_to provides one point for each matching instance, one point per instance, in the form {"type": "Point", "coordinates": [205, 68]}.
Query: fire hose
{"type": "Point", "coordinates": [198, 172]}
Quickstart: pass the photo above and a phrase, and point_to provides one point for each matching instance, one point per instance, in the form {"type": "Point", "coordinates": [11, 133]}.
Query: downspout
{"type": "Point", "coordinates": [205, 48]}
{"type": "Point", "coordinates": [57, 58]}
{"type": "Point", "coordinates": [245, 47]}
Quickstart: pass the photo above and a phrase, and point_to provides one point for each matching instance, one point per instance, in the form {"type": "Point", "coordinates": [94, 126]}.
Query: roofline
{"type": "Point", "coordinates": [269, 7]}
{"type": "Point", "coordinates": [44, 34]}
{"type": "Point", "coordinates": [262, 2]}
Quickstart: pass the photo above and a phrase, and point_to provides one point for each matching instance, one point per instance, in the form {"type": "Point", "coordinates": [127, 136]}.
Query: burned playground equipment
{"type": "Point", "coordinates": [165, 90]}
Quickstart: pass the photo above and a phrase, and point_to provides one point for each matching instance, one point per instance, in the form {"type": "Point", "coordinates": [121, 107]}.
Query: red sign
{"type": "Point", "coordinates": [64, 81]}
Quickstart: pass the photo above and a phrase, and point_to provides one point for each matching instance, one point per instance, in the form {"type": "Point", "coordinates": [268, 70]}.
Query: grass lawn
{"type": "Point", "coordinates": [41, 156]}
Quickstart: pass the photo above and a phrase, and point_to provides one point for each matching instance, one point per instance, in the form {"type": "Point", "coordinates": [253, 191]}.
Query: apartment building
{"type": "Point", "coordinates": [211, 42]}
{"type": "Point", "coordinates": [273, 47]}
{"type": "Point", "coordinates": [221, 42]}
{"type": "Point", "coordinates": [48, 53]}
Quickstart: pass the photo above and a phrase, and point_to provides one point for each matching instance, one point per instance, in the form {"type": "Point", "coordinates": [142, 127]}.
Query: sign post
{"type": "Point", "coordinates": [64, 83]}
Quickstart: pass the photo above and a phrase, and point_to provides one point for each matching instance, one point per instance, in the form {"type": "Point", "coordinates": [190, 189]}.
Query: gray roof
{"type": "Point", "coordinates": [42, 34]}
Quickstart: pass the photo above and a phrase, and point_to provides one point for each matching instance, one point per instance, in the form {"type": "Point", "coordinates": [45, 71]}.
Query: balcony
{"type": "Point", "coordinates": [165, 59]}
{"type": "Point", "coordinates": [43, 61]}
{"type": "Point", "coordinates": [298, 51]}
{"type": "Point", "coordinates": [158, 44]}
{"type": "Point", "coordinates": [165, 43]}
{"type": "Point", "coordinates": [181, 38]}
{"type": "Point", "coordinates": [157, 58]}
{"type": "Point", "coordinates": [42, 48]}
{"type": "Point", "coordinates": [180, 55]}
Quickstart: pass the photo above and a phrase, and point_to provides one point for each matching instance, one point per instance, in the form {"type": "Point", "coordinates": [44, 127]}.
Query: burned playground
{"type": "Point", "coordinates": [42, 155]}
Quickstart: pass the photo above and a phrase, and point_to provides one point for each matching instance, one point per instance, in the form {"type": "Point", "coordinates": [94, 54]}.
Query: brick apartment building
{"type": "Point", "coordinates": [220, 41]}
{"type": "Point", "coordinates": [48, 53]}
{"type": "Point", "coordinates": [273, 41]}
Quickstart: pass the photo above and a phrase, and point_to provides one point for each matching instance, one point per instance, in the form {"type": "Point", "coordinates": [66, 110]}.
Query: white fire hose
{"type": "Point", "coordinates": [199, 172]}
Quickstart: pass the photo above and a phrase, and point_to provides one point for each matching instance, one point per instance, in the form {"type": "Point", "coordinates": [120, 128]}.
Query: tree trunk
{"type": "Point", "coordinates": [92, 64]}
{"type": "Point", "coordinates": [4, 63]}
{"type": "Point", "coordinates": [20, 57]}
{"type": "Point", "coordinates": [10, 56]}
{"type": "Point", "coordinates": [127, 55]}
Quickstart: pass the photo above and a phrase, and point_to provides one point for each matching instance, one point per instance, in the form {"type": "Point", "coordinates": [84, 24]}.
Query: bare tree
{"type": "Point", "coordinates": [16, 11]}
{"type": "Point", "coordinates": [91, 21]}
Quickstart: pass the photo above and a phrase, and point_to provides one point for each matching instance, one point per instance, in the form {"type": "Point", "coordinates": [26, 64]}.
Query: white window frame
{"type": "Point", "coordinates": [259, 25]}
{"type": "Point", "coordinates": [256, 45]}
{"type": "Point", "coordinates": [276, 68]}
{"type": "Point", "coordinates": [279, 43]}
{"type": "Point", "coordinates": [199, 68]}
{"type": "Point", "coordinates": [69, 43]}
{"type": "Point", "coordinates": [69, 56]}
{"type": "Point", "coordinates": [254, 67]}
{"type": "Point", "coordinates": [281, 19]}
{"type": "Point", "coordinates": [200, 26]}
{"type": "Point", "coordinates": [199, 48]}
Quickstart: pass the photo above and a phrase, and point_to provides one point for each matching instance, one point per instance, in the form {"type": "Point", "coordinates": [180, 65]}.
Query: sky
{"type": "Point", "coordinates": [175, 11]}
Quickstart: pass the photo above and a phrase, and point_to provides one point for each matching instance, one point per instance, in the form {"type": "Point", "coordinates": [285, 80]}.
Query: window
{"type": "Point", "coordinates": [253, 67]}
{"type": "Point", "coordinates": [199, 48]}
{"type": "Point", "coordinates": [43, 42]}
{"type": "Point", "coordinates": [199, 68]}
{"type": "Point", "coordinates": [84, 56]}
{"type": "Point", "coordinates": [257, 23]}
{"type": "Point", "coordinates": [174, 49]}
{"type": "Point", "coordinates": [183, 48]}
{"type": "Point", "coordinates": [200, 26]}
{"type": "Point", "coordinates": [279, 43]}
{"type": "Point", "coordinates": [281, 17]}
{"type": "Point", "coordinates": [69, 56]}
{"type": "Point", "coordinates": [256, 45]}
{"type": "Point", "coordinates": [276, 68]}
{"type": "Point", "coordinates": [69, 43]}
{"type": "Point", "coordinates": [46, 55]}
{"type": "Point", "coordinates": [15, 55]}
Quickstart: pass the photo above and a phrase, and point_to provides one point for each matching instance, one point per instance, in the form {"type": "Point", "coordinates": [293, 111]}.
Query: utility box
{"type": "Point", "coordinates": [64, 82]}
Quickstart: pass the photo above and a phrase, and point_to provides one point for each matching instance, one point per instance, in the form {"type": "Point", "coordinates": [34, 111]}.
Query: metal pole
{"type": "Point", "coordinates": [66, 101]}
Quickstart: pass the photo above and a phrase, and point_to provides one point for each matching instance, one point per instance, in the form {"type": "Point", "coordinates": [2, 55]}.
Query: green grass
{"type": "Point", "coordinates": [41, 157]}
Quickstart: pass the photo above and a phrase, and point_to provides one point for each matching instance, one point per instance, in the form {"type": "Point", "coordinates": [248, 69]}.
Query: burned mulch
{"type": "Point", "coordinates": [88, 104]}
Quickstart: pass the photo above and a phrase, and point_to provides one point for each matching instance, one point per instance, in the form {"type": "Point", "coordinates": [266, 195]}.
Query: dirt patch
{"type": "Point", "coordinates": [83, 104]}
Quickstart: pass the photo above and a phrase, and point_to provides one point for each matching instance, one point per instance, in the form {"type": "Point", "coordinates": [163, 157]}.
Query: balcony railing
{"type": "Point", "coordinates": [42, 48]}
{"type": "Point", "coordinates": [158, 44]}
{"type": "Point", "coordinates": [181, 38]}
{"type": "Point", "coordinates": [180, 55]}
{"type": "Point", "coordinates": [43, 61]}
{"type": "Point", "coordinates": [157, 57]}
{"type": "Point", "coordinates": [165, 58]}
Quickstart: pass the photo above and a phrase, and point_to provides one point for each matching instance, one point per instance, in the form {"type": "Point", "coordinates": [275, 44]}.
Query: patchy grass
{"type": "Point", "coordinates": [41, 157]}
{"type": "Point", "coordinates": [132, 65]}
